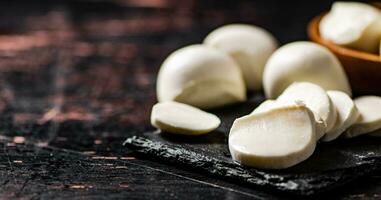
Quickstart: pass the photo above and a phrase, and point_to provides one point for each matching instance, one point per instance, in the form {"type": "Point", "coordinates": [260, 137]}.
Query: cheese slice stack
{"type": "Point", "coordinates": [274, 139]}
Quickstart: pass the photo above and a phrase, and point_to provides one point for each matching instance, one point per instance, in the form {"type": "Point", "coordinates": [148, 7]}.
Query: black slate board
{"type": "Point", "coordinates": [332, 164]}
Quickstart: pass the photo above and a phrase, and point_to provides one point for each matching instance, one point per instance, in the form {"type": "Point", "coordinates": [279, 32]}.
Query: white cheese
{"type": "Point", "coordinates": [200, 76]}
{"type": "Point", "coordinates": [347, 114]}
{"type": "Point", "coordinates": [353, 24]}
{"type": "Point", "coordinates": [183, 119]}
{"type": "Point", "coordinates": [275, 139]}
{"type": "Point", "coordinates": [370, 116]}
{"type": "Point", "coordinates": [272, 104]}
{"type": "Point", "coordinates": [303, 61]}
{"type": "Point", "coordinates": [250, 46]}
{"type": "Point", "coordinates": [315, 98]}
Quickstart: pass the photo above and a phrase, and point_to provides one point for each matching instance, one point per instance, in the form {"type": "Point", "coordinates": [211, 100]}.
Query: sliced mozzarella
{"type": "Point", "coordinates": [183, 119]}
{"type": "Point", "coordinates": [250, 46]}
{"type": "Point", "coordinates": [272, 104]}
{"type": "Point", "coordinates": [265, 106]}
{"type": "Point", "coordinates": [347, 114]}
{"type": "Point", "coordinates": [303, 61]}
{"type": "Point", "coordinates": [370, 116]}
{"type": "Point", "coordinates": [315, 98]}
{"type": "Point", "coordinates": [353, 24]}
{"type": "Point", "coordinates": [275, 139]}
{"type": "Point", "coordinates": [200, 76]}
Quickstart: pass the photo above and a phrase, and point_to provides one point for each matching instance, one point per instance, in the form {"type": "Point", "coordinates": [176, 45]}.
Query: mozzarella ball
{"type": "Point", "coordinates": [200, 76]}
{"type": "Point", "coordinates": [303, 61]}
{"type": "Point", "coordinates": [353, 24]}
{"type": "Point", "coordinates": [250, 46]}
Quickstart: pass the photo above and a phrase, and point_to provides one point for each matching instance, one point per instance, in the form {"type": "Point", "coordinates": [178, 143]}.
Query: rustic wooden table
{"type": "Point", "coordinates": [78, 77]}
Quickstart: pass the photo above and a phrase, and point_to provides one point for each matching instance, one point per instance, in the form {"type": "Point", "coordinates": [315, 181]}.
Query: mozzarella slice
{"type": "Point", "coordinates": [265, 106]}
{"type": "Point", "coordinates": [315, 98]}
{"type": "Point", "coordinates": [352, 24]}
{"type": "Point", "coordinates": [347, 114]}
{"type": "Point", "coordinates": [250, 46]}
{"type": "Point", "coordinates": [370, 116]}
{"type": "Point", "coordinates": [276, 139]}
{"type": "Point", "coordinates": [200, 76]}
{"type": "Point", "coordinates": [183, 119]}
{"type": "Point", "coordinates": [272, 104]}
{"type": "Point", "coordinates": [303, 61]}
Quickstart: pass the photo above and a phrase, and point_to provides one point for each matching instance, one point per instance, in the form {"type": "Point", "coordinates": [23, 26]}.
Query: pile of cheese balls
{"type": "Point", "coordinates": [354, 25]}
{"type": "Point", "coordinates": [309, 96]}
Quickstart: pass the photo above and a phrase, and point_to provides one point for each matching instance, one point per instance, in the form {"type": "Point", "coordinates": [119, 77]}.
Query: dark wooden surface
{"type": "Point", "coordinates": [78, 77]}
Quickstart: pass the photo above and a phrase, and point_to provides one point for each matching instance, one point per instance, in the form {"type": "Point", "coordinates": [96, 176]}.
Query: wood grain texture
{"type": "Point", "coordinates": [77, 78]}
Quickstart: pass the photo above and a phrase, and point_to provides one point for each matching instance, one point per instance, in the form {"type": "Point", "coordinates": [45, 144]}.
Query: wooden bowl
{"type": "Point", "coordinates": [363, 69]}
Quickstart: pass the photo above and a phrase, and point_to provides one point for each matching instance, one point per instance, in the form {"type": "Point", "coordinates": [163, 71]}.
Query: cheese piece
{"type": "Point", "coordinates": [353, 24]}
{"type": "Point", "coordinates": [303, 61]}
{"type": "Point", "coordinates": [250, 46]}
{"type": "Point", "coordinates": [272, 104]}
{"type": "Point", "coordinates": [265, 106]}
{"type": "Point", "coordinates": [370, 116]}
{"type": "Point", "coordinates": [347, 114]}
{"type": "Point", "coordinates": [200, 76]}
{"type": "Point", "coordinates": [315, 98]}
{"type": "Point", "coordinates": [276, 139]}
{"type": "Point", "coordinates": [178, 118]}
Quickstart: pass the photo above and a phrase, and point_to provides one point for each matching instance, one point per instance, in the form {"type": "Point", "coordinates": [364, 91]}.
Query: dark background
{"type": "Point", "coordinates": [78, 77]}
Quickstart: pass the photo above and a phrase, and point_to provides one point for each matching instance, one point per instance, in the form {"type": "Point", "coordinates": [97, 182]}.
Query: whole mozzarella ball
{"type": "Point", "coordinates": [303, 62]}
{"type": "Point", "coordinates": [250, 46]}
{"type": "Point", "coordinates": [200, 76]}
